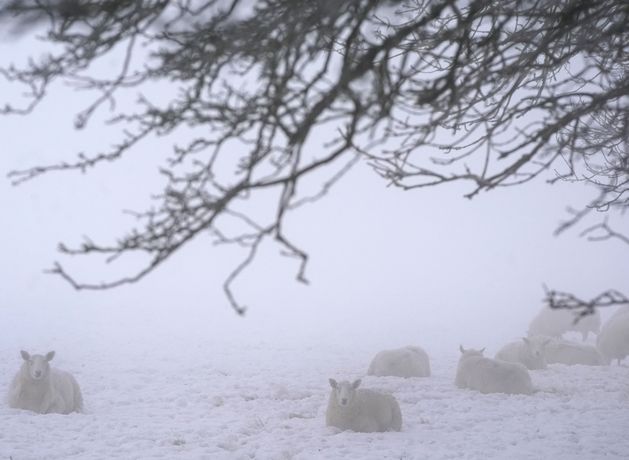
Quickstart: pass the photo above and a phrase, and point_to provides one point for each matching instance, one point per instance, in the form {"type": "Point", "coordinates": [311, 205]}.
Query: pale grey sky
{"type": "Point", "coordinates": [392, 267]}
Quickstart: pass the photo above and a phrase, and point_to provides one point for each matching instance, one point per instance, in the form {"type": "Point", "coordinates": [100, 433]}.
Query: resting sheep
{"type": "Point", "coordinates": [613, 341]}
{"type": "Point", "coordinates": [487, 375]}
{"type": "Point", "coordinates": [554, 323]}
{"type": "Point", "coordinates": [621, 311]}
{"type": "Point", "coordinates": [42, 389]}
{"type": "Point", "coordinates": [530, 353]}
{"type": "Point", "coordinates": [561, 351]}
{"type": "Point", "coordinates": [365, 411]}
{"type": "Point", "coordinates": [402, 362]}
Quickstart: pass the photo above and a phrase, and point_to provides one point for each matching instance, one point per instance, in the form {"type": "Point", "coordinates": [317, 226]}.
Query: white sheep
{"type": "Point", "coordinates": [401, 362]}
{"type": "Point", "coordinates": [487, 375]}
{"type": "Point", "coordinates": [613, 341]}
{"type": "Point", "coordinates": [362, 410]}
{"type": "Point", "coordinates": [555, 322]}
{"type": "Point", "coordinates": [561, 351]}
{"type": "Point", "coordinates": [530, 353]}
{"type": "Point", "coordinates": [621, 311]}
{"type": "Point", "coordinates": [42, 389]}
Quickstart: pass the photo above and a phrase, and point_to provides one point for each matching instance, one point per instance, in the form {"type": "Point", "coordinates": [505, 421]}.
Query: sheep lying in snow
{"type": "Point", "coordinates": [621, 311]}
{"type": "Point", "coordinates": [362, 410]}
{"type": "Point", "coordinates": [42, 389]}
{"type": "Point", "coordinates": [530, 353]}
{"type": "Point", "coordinates": [561, 351]}
{"type": "Point", "coordinates": [491, 376]}
{"type": "Point", "coordinates": [554, 323]}
{"type": "Point", "coordinates": [613, 341]}
{"type": "Point", "coordinates": [402, 362]}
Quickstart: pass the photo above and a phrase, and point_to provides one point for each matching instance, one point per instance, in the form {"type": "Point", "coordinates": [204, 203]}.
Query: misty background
{"type": "Point", "coordinates": [386, 267]}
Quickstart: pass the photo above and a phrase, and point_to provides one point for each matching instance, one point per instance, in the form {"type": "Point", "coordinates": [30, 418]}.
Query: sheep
{"type": "Point", "coordinates": [363, 410]}
{"type": "Point", "coordinates": [487, 375]}
{"type": "Point", "coordinates": [621, 311]}
{"type": "Point", "coordinates": [613, 341]}
{"type": "Point", "coordinates": [555, 322]}
{"type": "Point", "coordinates": [561, 351]}
{"type": "Point", "coordinates": [42, 389]}
{"type": "Point", "coordinates": [402, 362]}
{"type": "Point", "coordinates": [530, 353]}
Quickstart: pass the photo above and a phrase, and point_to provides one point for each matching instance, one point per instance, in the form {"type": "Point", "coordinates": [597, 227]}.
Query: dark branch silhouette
{"type": "Point", "coordinates": [490, 93]}
{"type": "Point", "coordinates": [565, 300]}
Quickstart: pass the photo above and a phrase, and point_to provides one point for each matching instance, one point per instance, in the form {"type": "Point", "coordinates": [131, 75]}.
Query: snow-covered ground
{"type": "Point", "coordinates": [149, 394]}
{"type": "Point", "coordinates": [168, 371]}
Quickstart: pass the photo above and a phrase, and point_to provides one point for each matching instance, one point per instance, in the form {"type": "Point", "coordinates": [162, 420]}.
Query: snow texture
{"type": "Point", "coordinates": [247, 398]}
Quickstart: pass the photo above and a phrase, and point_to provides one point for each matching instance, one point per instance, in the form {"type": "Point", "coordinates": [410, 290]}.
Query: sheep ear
{"type": "Point", "coordinates": [333, 383]}
{"type": "Point", "coordinates": [545, 342]}
{"type": "Point", "coordinates": [461, 348]}
{"type": "Point", "coordinates": [25, 355]}
{"type": "Point", "coordinates": [356, 384]}
{"type": "Point", "coordinates": [50, 355]}
{"type": "Point", "coordinates": [482, 350]}
{"type": "Point", "coordinates": [526, 341]}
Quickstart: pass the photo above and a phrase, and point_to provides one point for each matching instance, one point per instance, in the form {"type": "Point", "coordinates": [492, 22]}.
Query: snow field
{"type": "Point", "coordinates": [239, 400]}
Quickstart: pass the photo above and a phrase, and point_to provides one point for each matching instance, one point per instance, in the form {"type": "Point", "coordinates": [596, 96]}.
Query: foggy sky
{"type": "Point", "coordinates": [425, 267]}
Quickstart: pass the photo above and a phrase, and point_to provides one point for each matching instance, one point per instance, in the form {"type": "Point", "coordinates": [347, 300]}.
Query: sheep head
{"type": "Point", "coordinates": [535, 348]}
{"type": "Point", "coordinates": [471, 351]}
{"type": "Point", "coordinates": [344, 392]}
{"type": "Point", "coordinates": [38, 366]}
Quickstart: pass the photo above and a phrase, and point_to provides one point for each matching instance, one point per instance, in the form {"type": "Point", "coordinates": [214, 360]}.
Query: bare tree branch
{"type": "Point", "coordinates": [603, 232]}
{"type": "Point", "coordinates": [567, 301]}
{"type": "Point", "coordinates": [485, 92]}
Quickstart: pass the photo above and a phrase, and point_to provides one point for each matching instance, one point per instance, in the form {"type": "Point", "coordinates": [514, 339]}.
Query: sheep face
{"type": "Point", "coordinates": [535, 348]}
{"type": "Point", "coordinates": [344, 392]}
{"type": "Point", "coordinates": [38, 366]}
